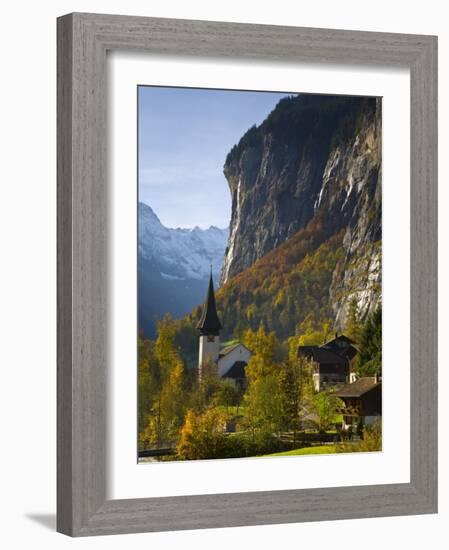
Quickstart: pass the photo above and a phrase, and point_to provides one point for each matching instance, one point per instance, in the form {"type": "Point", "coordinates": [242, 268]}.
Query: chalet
{"type": "Point", "coordinates": [231, 360]}
{"type": "Point", "coordinates": [332, 362]}
{"type": "Point", "coordinates": [362, 402]}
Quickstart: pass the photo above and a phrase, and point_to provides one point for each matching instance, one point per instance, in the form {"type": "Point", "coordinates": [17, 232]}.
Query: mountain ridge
{"type": "Point", "coordinates": [174, 266]}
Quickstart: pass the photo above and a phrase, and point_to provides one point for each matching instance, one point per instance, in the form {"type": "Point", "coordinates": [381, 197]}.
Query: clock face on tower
{"type": "Point", "coordinates": [211, 338]}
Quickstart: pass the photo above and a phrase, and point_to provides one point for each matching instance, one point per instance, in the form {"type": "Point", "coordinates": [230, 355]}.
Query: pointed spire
{"type": "Point", "coordinates": [209, 322]}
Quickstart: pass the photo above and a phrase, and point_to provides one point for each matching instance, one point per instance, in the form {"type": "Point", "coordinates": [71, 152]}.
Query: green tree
{"type": "Point", "coordinates": [263, 413]}
{"type": "Point", "coordinates": [369, 360]}
{"type": "Point", "coordinates": [296, 387]}
{"type": "Point", "coordinates": [239, 330]}
{"type": "Point", "coordinates": [262, 346]}
{"type": "Point", "coordinates": [164, 348]}
{"type": "Point", "coordinates": [207, 386]}
{"type": "Point", "coordinates": [353, 327]}
{"type": "Point", "coordinates": [325, 405]}
{"type": "Point", "coordinates": [371, 441]}
{"type": "Point", "coordinates": [227, 394]}
{"type": "Point", "coordinates": [290, 387]}
{"type": "Point", "coordinates": [315, 337]}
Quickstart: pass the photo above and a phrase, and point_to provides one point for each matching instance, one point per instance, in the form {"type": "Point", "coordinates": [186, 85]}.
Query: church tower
{"type": "Point", "coordinates": [209, 327]}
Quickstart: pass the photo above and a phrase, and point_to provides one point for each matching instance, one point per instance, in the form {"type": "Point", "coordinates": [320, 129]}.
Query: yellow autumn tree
{"type": "Point", "coordinates": [202, 435]}
{"type": "Point", "coordinates": [165, 418]}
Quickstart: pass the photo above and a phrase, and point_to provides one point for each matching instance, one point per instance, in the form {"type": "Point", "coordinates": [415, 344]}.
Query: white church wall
{"type": "Point", "coordinates": [239, 353]}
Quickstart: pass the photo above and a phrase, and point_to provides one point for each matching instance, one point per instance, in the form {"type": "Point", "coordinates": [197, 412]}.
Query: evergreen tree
{"type": "Point", "coordinates": [353, 327]}
{"type": "Point", "coordinates": [369, 360]}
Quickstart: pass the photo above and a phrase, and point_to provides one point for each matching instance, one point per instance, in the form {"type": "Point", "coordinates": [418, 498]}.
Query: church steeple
{"type": "Point", "coordinates": [209, 323]}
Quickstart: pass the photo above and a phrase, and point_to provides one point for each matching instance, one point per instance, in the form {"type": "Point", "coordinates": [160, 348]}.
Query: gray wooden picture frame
{"type": "Point", "coordinates": [83, 40]}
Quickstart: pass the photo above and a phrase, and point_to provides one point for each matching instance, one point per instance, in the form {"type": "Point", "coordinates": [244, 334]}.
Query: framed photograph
{"type": "Point", "coordinates": [246, 232]}
{"type": "Point", "coordinates": [259, 289]}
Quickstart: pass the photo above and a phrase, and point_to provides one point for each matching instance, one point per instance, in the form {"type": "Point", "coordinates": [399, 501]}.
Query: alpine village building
{"type": "Point", "coordinates": [230, 360]}
{"type": "Point", "coordinates": [333, 369]}
{"type": "Point", "coordinates": [332, 362]}
{"type": "Point", "coordinates": [362, 402]}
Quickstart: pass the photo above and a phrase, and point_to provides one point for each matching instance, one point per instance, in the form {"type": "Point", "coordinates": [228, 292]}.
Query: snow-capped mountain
{"type": "Point", "coordinates": [181, 253]}
{"type": "Point", "coordinates": [174, 266]}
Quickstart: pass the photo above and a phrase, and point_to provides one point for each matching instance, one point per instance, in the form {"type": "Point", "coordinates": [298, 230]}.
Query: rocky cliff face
{"type": "Point", "coordinates": [352, 186]}
{"type": "Point", "coordinates": [311, 157]}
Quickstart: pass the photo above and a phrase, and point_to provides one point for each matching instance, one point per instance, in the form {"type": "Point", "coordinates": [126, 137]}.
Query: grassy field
{"type": "Point", "coordinates": [317, 450]}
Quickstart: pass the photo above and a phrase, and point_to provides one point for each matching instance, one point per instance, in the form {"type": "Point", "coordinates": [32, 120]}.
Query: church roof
{"type": "Point", "coordinates": [228, 349]}
{"type": "Point", "coordinates": [237, 370]}
{"type": "Point", "coordinates": [209, 322]}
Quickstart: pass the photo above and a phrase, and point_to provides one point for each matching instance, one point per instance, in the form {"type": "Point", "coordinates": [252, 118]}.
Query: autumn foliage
{"type": "Point", "coordinates": [286, 286]}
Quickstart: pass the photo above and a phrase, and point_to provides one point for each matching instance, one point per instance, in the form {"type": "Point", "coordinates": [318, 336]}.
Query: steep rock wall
{"type": "Point", "coordinates": [312, 156]}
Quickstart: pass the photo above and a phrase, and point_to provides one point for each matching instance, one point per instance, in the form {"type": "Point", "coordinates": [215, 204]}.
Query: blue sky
{"type": "Point", "coordinates": [184, 137]}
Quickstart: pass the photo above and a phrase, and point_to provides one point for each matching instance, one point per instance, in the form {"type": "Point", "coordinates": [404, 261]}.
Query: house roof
{"type": "Point", "coordinates": [348, 352]}
{"type": "Point", "coordinates": [337, 351]}
{"type": "Point", "coordinates": [229, 349]}
{"type": "Point", "coordinates": [358, 388]}
{"type": "Point", "coordinates": [339, 338]}
{"type": "Point", "coordinates": [237, 370]}
{"type": "Point", "coordinates": [342, 345]}
{"type": "Point", "coordinates": [209, 322]}
{"type": "Point", "coordinates": [322, 355]}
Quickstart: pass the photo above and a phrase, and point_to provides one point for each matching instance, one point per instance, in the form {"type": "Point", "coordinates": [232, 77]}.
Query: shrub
{"type": "Point", "coordinates": [202, 435]}
{"type": "Point", "coordinates": [371, 441]}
